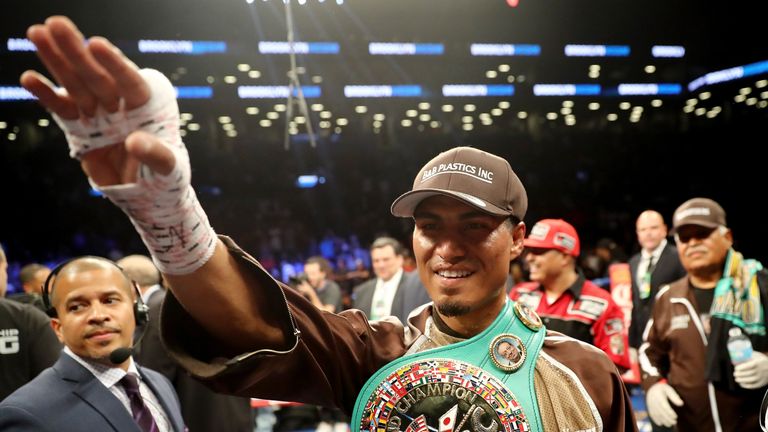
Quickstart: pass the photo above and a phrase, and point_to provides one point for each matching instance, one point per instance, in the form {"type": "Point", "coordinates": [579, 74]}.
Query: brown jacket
{"type": "Point", "coordinates": [674, 349]}
{"type": "Point", "coordinates": [335, 354]}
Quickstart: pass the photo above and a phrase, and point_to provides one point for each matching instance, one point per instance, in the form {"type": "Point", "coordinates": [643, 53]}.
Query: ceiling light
{"type": "Point", "coordinates": [325, 114]}
{"type": "Point", "coordinates": [469, 107]}
{"type": "Point", "coordinates": [568, 103]}
{"type": "Point", "coordinates": [43, 122]}
{"type": "Point", "coordinates": [225, 119]}
{"type": "Point", "coordinates": [467, 119]}
{"type": "Point", "coordinates": [280, 107]}
{"type": "Point", "coordinates": [193, 127]}
{"type": "Point", "coordinates": [705, 95]}
{"type": "Point", "coordinates": [497, 112]}
{"type": "Point", "coordinates": [551, 116]}
{"type": "Point", "coordinates": [491, 74]}
{"type": "Point", "coordinates": [594, 106]}
{"type": "Point", "coordinates": [624, 106]}
{"type": "Point", "coordinates": [406, 122]}
{"type": "Point", "coordinates": [745, 90]}
{"type": "Point", "coordinates": [254, 74]}
{"type": "Point", "coordinates": [467, 126]}
{"type": "Point", "coordinates": [361, 109]}
{"type": "Point", "coordinates": [242, 67]}
{"type": "Point", "coordinates": [230, 79]}
{"type": "Point", "coordinates": [522, 115]}
{"type": "Point", "coordinates": [341, 121]}
{"type": "Point", "coordinates": [612, 117]}
{"type": "Point", "coordinates": [504, 104]}
{"type": "Point", "coordinates": [656, 103]}
{"type": "Point", "coordinates": [424, 105]}
{"type": "Point", "coordinates": [650, 69]}
{"type": "Point", "coordinates": [273, 115]}
{"type": "Point", "coordinates": [447, 108]}
{"type": "Point", "coordinates": [317, 107]}
{"type": "Point", "coordinates": [252, 110]}
{"type": "Point", "coordinates": [425, 117]}
{"type": "Point", "coordinates": [504, 68]}
{"type": "Point", "coordinates": [411, 113]}
{"type": "Point", "coordinates": [565, 111]}
{"type": "Point", "coordinates": [379, 117]}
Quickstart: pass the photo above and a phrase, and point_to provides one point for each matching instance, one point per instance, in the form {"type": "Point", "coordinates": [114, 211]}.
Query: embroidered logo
{"type": "Point", "coordinates": [679, 322]}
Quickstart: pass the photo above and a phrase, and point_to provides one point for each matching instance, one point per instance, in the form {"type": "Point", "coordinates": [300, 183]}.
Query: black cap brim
{"type": "Point", "coordinates": [406, 204]}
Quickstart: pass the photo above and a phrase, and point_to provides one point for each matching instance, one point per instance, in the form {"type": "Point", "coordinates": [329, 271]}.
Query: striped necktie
{"type": "Point", "coordinates": [139, 410]}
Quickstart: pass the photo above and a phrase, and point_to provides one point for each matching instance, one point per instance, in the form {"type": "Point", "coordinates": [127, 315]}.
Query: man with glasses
{"type": "Point", "coordinates": [561, 295]}
{"type": "Point", "coordinates": [689, 378]}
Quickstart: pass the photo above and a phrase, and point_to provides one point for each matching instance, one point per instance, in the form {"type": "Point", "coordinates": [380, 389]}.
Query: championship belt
{"type": "Point", "coordinates": [482, 384]}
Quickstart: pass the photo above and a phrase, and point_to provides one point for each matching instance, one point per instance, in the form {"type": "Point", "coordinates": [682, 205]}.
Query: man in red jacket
{"type": "Point", "coordinates": [564, 299]}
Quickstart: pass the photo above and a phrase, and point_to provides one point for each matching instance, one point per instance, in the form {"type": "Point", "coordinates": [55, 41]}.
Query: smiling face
{"type": "Point", "coordinates": [385, 262]}
{"type": "Point", "coordinates": [463, 257]}
{"type": "Point", "coordinates": [95, 311]}
{"type": "Point", "coordinates": [546, 265]}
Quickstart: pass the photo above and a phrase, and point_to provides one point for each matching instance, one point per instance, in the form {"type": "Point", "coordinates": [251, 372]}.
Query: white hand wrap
{"type": "Point", "coordinates": [159, 116]}
{"type": "Point", "coordinates": [163, 208]}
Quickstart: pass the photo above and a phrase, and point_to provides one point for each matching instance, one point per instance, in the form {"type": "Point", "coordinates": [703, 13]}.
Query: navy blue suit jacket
{"type": "Point", "coordinates": [68, 398]}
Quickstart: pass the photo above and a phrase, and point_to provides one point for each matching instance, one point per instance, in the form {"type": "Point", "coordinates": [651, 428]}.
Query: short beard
{"type": "Point", "coordinates": [452, 309]}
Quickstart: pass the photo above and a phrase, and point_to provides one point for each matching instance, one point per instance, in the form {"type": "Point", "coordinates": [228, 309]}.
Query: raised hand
{"type": "Point", "coordinates": [95, 80]}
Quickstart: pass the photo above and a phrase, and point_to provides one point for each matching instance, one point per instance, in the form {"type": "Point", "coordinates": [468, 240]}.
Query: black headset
{"type": "Point", "coordinates": [140, 309]}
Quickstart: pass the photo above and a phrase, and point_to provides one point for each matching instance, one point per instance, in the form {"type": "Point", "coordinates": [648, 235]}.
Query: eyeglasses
{"type": "Point", "coordinates": [690, 232]}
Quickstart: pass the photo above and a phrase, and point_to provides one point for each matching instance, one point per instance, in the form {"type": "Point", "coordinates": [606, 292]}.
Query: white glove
{"type": "Point", "coordinates": [753, 373]}
{"type": "Point", "coordinates": [657, 400]}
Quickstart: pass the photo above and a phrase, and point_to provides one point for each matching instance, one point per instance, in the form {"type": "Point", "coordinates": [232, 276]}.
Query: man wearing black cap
{"type": "Point", "coordinates": [231, 324]}
{"type": "Point", "coordinates": [690, 380]}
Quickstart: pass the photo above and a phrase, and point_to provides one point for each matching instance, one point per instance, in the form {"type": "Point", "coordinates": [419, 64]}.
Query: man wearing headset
{"type": "Point", "coordinates": [95, 385]}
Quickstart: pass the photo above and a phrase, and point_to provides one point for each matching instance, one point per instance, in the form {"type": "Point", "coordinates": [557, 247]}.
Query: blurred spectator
{"type": "Point", "coordinates": [393, 291]}
{"type": "Point", "coordinates": [32, 276]}
{"type": "Point", "coordinates": [28, 344]}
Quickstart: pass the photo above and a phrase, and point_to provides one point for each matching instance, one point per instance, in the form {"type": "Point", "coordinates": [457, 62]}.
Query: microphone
{"type": "Point", "coordinates": [120, 355]}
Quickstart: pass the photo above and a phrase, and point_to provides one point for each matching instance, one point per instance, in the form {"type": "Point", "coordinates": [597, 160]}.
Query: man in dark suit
{"type": "Point", "coordinates": [393, 292]}
{"type": "Point", "coordinates": [95, 385]}
{"type": "Point", "coordinates": [656, 265]}
{"type": "Point", "coordinates": [202, 408]}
